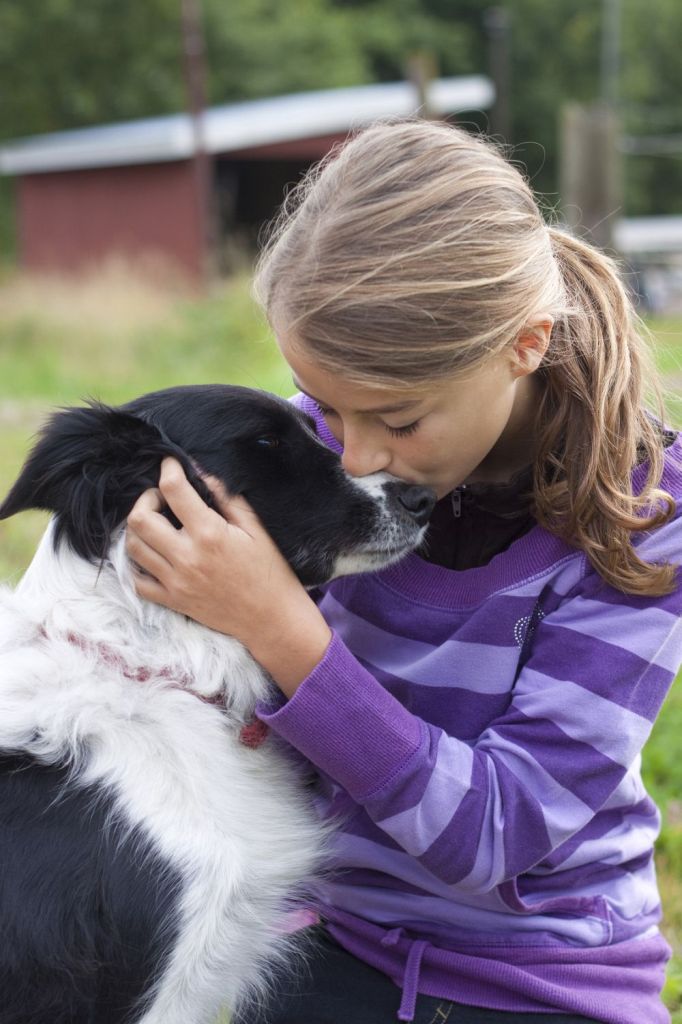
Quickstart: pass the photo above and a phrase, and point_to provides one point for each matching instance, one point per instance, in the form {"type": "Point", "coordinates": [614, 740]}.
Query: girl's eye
{"type": "Point", "coordinates": [409, 428]}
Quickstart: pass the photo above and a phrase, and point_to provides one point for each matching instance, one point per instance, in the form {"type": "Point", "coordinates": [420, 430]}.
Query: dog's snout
{"type": "Point", "coordinates": [418, 501]}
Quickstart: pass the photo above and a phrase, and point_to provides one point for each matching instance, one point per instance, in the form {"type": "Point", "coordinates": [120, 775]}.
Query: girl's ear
{"type": "Point", "coordinates": [530, 347]}
{"type": "Point", "coordinates": [89, 467]}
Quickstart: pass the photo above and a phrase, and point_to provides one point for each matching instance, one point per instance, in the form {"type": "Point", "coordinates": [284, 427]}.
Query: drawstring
{"type": "Point", "coordinates": [408, 1002]}
{"type": "Point", "coordinates": [411, 980]}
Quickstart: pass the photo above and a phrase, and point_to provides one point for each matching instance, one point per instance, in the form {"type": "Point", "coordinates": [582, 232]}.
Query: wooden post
{"type": "Point", "coordinates": [421, 70]}
{"type": "Point", "coordinates": [590, 181]}
{"type": "Point", "coordinates": [497, 21]}
{"type": "Point", "coordinates": [194, 63]}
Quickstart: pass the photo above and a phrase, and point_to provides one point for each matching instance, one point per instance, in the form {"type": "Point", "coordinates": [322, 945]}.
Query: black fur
{"type": "Point", "coordinates": [92, 463]}
{"type": "Point", "coordinates": [90, 466]}
{"type": "Point", "coordinates": [88, 902]}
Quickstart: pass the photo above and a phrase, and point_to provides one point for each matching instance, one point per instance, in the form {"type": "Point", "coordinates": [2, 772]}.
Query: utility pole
{"type": "Point", "coordinates": [591, 174]}
{"type": "Point", "coordinates": [497, 21]}
{"type": "Point", "coordinates": [421, 71]}
{"type": "Point", "coordinates": [590, 180]}
{"type": "Point", "coordinates": [610, 53]}
{"type": "Point", "coordinates": [194, 65]}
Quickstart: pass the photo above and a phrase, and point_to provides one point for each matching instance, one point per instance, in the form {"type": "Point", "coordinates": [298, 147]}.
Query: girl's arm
{"type": "Point", "coordinates": [477, 815]}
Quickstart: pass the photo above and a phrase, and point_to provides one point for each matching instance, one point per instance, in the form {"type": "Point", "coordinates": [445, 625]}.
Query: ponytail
{"type": "Point", "coordinates": [594, 427]}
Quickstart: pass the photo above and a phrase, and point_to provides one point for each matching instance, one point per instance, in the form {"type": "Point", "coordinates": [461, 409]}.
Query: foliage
{"type": "Point", "coordinates": [265, 48]}
{"type": "Point", "coordinates": [110, 60]}
{"type": "Point", "coordinates": [652, 81]}
{"type": "Point", "coordinates": [114, 59]}
{"type": "Point", "coordinates": [75, 64]}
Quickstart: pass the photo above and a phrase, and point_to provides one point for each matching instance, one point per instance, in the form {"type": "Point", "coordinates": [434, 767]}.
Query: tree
{"type": "Point", "coordinates": [73, 64]}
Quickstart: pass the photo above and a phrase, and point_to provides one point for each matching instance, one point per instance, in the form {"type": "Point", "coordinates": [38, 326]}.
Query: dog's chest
{"type": "Point", "coordinates": [233, 824]}
{"type": "Point", "coordinates": [175, 763]}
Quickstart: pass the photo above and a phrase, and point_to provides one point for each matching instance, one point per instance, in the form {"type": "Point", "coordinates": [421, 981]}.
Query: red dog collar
{"type": "Point", "coordinates": [252, 734]}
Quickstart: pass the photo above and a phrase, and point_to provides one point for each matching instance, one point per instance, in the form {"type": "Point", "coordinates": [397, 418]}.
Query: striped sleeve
{"type": "Point", "coordinates": [594, 678]}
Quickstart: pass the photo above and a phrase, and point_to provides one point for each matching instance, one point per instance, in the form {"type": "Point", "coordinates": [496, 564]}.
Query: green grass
{"type": "Point", "coordinates": [668, 352]}
{"type": "Point", "coordinates": [118, 335]}
{"type": "Point", "coordinates": [112, 338]}
{"type": "Point", "coordinates": [662, 772]}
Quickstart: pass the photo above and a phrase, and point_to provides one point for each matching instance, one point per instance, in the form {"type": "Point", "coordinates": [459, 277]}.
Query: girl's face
{"type": "Point", "coordinates": [459, 430]}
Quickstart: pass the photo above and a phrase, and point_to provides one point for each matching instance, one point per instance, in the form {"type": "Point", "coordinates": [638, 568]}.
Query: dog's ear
{"type": "Point", "coordinates": [88, 467]}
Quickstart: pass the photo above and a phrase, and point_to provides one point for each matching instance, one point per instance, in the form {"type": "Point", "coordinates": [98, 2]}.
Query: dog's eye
{"type": "Point", "coordinates": [268, 441]}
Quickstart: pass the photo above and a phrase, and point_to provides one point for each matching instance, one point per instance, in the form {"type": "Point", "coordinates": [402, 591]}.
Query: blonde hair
{"type": "Point", "coordinates": [417, 251]}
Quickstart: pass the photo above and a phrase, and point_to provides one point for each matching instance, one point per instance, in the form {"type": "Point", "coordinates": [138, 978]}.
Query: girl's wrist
{"type": "Point", "coordinates": [292, 645]}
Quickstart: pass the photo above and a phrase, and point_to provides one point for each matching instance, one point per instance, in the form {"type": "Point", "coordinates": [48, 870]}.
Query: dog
{"type": "Point", "coordinates": [150, 850]}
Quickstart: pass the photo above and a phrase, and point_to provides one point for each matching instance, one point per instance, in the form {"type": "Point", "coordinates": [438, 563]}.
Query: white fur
{"type": "Point", "coordinates": [234, 821]}
{"type": "Point", "coordinates": [393, 539]}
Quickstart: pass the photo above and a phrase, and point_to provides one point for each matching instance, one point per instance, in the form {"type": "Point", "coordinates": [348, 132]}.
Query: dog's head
{"type": "Point", "coordinates": [91, 464]}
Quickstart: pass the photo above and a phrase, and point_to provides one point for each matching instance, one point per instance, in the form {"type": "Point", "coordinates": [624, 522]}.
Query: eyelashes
{"type": "Point", "coordinates": [409, 428]}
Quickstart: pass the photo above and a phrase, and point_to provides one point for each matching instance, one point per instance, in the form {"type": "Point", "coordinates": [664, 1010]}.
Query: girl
{"type": "Point", "coordinates": [476, 712]}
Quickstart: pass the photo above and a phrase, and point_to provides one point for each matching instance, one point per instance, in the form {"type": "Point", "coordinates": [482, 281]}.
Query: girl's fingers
{"type": "Point", "coordinates": [220, 495]}
{"type": "Point", "coordinates": [150, 500]}
{"type": "Point", "coordinates": [171, 557]}
{"type": "Point", "coordinates": [235, 509]}
{"type": "Point", "coordinates": [181, 497]}
{"type": "Point", "coordinates": [145, 522]}
{"type": "Point", "coordinates": [146, 558]}
{"type": "Point", "coordinates": [151, 590]}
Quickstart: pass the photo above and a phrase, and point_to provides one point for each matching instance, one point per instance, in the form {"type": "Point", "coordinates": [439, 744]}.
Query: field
{"type": "Point", "coordinates": [118, 334]}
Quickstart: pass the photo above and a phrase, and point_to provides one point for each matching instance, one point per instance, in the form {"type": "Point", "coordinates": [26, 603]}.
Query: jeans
{"type": "Point", "coordinates": [337, 988]}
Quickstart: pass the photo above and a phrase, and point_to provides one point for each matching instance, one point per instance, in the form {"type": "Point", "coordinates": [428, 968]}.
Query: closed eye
{"type": "Point", "coordinates": [409, 428]}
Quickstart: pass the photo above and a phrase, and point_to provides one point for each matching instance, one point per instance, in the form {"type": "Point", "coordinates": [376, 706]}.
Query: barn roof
{"type": "Point", "coordinates": [238, 126]}
{"type": "Point", "coordinates": [648, 235]}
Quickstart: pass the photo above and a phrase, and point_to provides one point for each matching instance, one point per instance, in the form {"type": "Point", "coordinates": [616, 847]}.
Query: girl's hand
{"type": "Point", "coordinates": [226, 573]}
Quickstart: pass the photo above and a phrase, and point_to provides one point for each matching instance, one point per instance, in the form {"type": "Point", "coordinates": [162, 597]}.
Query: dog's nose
{"type": "Point", "coordinates": [418, 501]}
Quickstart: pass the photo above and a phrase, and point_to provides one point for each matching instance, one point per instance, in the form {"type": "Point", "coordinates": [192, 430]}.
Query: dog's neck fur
{"type": "Point", "coordinates": [63, 596]}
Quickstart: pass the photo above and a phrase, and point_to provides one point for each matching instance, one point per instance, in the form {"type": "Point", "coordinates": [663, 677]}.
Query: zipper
{"type": "Point", "coordinates": [456, 500]}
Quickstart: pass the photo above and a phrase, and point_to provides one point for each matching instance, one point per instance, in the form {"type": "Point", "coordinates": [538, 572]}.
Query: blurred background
{"type": "Point", "coordinates": [143, 146]}
{"type": "Point", "coordinates": [171, 128]}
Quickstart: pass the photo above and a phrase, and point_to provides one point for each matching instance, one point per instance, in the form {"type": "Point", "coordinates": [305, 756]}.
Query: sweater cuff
{"type": "Point", "coordinates": [344, 721]}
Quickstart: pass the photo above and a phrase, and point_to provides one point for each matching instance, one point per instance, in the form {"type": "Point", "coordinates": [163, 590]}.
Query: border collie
{"type": "Point", "coordinates": [148, 853]}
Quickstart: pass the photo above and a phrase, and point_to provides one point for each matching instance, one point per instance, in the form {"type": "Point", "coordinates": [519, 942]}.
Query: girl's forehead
{"type": "Point", "coordinates": [336, 388]}
{"type": "Point", "coordinates": [331, 386]}
{"type": "Point", "coordinates": [361, 398]}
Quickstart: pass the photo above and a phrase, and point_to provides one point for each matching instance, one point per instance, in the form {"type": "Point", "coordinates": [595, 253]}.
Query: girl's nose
{"type": "Point", "coordinates": [363, 459]}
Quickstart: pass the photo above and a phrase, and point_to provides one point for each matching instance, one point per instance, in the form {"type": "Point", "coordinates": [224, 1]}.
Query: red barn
{"type": "Point", "coordinates": [131, 189]}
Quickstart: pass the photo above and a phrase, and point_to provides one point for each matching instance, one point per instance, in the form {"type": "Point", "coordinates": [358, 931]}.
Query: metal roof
{"type": "Point", "coordinates": [238, 125]}
{"type": "Point", "coordinates": [650, 235]}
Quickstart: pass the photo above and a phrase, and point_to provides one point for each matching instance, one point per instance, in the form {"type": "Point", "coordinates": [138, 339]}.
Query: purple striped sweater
{"type": "Point", "coordinates": [478, 736]}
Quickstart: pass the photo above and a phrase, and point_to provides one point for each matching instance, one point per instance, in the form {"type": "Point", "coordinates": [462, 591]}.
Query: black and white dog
{"type": "Point", "coordinates": [148, 856]}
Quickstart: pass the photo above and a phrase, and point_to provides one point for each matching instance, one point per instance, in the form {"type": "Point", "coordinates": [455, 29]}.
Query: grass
{"type": "Point", "coordinates": [115, 336]}
{"type": "Point", "coordinates": [118, 334]}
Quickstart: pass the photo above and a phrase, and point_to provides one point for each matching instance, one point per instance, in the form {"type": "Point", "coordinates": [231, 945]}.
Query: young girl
{"type": "Point", "coordinates": [475, 712]}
